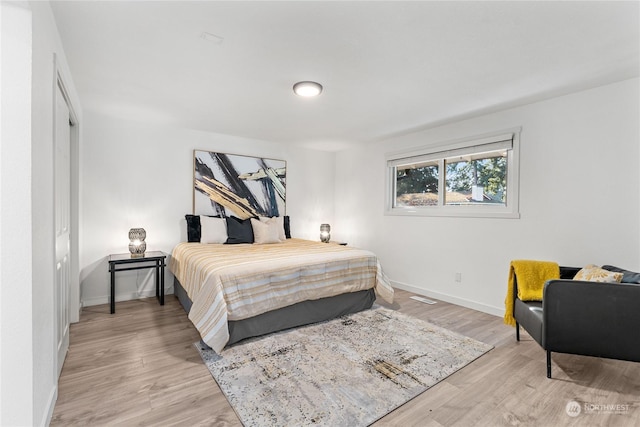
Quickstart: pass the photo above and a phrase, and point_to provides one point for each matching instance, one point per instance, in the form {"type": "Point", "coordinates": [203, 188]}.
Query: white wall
{"type": "Point", "coordinates": [141, 175]}
{"type": "Point", "coordinates": [579, 199]}
{"type": "Point", "coordinates": [29, 374]}
{"type": "Point", "coordinates": [16, 345]}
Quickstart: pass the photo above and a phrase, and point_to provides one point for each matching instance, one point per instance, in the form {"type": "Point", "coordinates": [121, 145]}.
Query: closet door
{"type": "Point", "coordinates": [62, 202]}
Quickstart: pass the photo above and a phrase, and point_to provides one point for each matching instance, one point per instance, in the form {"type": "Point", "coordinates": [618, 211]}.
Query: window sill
{"type": "Point", "coordinates": [453, 212]}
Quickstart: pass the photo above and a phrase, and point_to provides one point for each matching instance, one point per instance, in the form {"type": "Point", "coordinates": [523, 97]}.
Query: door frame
{"type": "Point", "coordinates": [74, 304]}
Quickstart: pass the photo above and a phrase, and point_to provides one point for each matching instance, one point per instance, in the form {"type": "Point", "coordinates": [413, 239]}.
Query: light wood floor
{"type": "Point", "coordinates": [139, 367]}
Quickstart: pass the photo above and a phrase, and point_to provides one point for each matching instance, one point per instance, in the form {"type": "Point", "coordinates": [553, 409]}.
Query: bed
{"type": "Point", "coordinates": [233, 292]}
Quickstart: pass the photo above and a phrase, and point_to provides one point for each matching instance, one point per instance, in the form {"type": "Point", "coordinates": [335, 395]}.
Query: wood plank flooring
{"type": "Point", "coordinates": [139, 367]}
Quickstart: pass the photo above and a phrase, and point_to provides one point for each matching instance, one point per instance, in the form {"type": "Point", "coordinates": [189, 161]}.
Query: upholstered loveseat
{"type": "Point", "coordinates": [583, 317]}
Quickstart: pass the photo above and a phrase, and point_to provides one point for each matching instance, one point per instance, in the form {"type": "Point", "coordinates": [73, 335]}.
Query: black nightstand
{"type": "Point", "coordinates": [154, 259]}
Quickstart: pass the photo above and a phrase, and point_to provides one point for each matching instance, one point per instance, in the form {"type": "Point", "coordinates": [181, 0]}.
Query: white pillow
{"type": "Point", "coordinates": [279, 220]}
{"type": "Point", "coordinates": [213, 230]}
{"type": "Point", "coordinates": [265, 232]}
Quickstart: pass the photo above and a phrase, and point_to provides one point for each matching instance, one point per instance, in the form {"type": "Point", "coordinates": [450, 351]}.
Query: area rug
{"type": "Point", "coordinates": [349, 371]}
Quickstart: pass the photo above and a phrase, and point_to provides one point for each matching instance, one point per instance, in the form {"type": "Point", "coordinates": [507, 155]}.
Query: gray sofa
{"type": "Point", "coordinates": [584, 318]}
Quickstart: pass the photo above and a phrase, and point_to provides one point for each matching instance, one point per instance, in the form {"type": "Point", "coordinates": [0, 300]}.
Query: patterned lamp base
{"type": "Point", "coordinates": [137, 245]}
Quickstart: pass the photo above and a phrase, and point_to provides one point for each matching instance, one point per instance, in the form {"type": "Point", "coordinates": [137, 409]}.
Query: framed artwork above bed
{"type": "Point", "coordinates": [241, 186]}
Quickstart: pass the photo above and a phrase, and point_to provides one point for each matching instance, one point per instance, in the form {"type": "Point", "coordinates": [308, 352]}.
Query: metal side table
{"type": "Point", "coordinates": [153, 259]}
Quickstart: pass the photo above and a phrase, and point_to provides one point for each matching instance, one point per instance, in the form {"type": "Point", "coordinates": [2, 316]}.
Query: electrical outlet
{"type": "Point", "coordinates": [458, 277]}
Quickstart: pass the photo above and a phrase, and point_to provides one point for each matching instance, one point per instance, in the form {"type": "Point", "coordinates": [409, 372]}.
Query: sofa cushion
{"type": "Point", "coordinates": [593, 273]}
{"type": "Point", "coordinates": [529, 316]}
{"type": "Point", "coordinates": [568, 273]}
{"type": "Point", "coordinates": [627, 276]}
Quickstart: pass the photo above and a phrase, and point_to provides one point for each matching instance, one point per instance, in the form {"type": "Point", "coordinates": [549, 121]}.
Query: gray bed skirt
{"type": "Point", "coordinates": [302, 313]}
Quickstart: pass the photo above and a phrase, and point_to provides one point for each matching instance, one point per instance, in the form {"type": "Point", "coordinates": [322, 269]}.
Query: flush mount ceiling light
{"type": "Point", "coordinates": [307, 89]}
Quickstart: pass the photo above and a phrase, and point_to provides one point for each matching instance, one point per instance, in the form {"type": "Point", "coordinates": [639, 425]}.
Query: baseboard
{"type": "Point", "coordinates": [86, 302]}
{"type": "Point", "coordinates": [496, 311]}
{"type": "Point", "coordinates": [51, 404]}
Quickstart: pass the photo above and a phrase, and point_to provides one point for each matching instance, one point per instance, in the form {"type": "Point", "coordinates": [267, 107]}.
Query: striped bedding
{"type": "Point", "coordinates": [235, 282]}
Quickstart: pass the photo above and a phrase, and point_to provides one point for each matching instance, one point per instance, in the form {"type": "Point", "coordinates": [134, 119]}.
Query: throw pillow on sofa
{"type": "Point", "coordinates": [593, 273]}
{"type": "Point", "coordinates": [627, 275]}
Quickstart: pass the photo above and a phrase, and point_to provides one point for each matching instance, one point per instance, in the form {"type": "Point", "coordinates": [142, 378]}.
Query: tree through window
{"type": "Point", "coordinates": [417, 185]}
{"type": "Point", "coordinates": [477, 179]}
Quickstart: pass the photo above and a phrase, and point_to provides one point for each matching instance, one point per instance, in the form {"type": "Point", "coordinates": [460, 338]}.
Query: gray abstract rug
{"type": "Point", "coordinates": [349, 371]}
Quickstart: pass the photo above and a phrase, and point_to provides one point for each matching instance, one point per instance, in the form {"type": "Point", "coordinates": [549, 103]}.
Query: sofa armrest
{"type": "Point", "coordinates": [593, 319]}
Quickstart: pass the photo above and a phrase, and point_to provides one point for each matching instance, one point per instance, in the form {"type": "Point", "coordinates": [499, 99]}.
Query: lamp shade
{"type": "Point", "coordinates": [325, 233]}
{"type": "Point", "coordinates": [137, 245]}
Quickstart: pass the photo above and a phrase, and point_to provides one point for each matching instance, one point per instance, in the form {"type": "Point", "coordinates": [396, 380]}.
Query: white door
{"type": "Point", "coordinates": [62, 202]}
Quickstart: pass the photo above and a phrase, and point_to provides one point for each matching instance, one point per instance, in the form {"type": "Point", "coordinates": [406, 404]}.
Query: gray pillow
{"type": "Point", "coordinates": [627, 276]}
{"type": "Point", "coordinates": [239, 230]}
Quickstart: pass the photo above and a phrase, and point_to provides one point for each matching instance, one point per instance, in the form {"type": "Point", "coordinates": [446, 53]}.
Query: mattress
{"type": "Point", "coordinates": [235, 282]}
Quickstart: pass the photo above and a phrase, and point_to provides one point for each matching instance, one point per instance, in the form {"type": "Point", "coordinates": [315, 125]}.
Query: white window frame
{"type": "Point", "coordinates": [440, 152]}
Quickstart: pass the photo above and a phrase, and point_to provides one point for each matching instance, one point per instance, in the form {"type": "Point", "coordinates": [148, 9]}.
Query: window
{"type": "Point", "coordinates": [475, 177]}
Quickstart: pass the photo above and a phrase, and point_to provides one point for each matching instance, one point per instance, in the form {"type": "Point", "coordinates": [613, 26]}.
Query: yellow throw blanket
{"type": "Point", "coordinates": [532, 276]}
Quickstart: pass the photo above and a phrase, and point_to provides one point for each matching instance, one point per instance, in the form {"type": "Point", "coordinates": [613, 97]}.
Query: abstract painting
{"type": "Point", "coordinates": [240, 186]}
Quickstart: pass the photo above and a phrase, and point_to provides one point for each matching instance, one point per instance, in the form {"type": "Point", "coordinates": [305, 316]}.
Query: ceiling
{"type": "Point", "coordinates": [386, 67]}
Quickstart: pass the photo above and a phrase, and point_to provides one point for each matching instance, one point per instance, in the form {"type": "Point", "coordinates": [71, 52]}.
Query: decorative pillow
{"type": "Point", "coordinates": [239, 230]}
{"type": "Point", "coordinates": [287, 228]}
{"type": "Point", "coordinates": [193, 227]}
{"type": "Point", "coordinates": [279, 224]}
{"type": "Point", "coordinates": [213, 230]}
{"type": "Point", "coordinates": [627, 276]}
{"type": "Point", "coordinates": [266, 231]}
{"type": "Point", "coordinates": [593, 273]}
